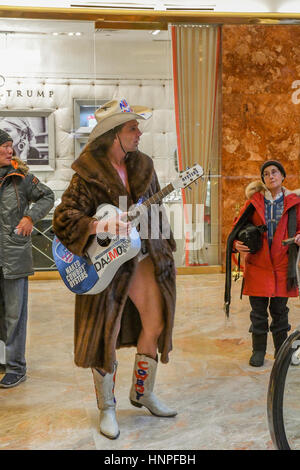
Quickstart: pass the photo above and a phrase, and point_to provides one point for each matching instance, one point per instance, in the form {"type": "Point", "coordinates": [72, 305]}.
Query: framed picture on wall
{"type": "Point", "coordinates": [33, 135]}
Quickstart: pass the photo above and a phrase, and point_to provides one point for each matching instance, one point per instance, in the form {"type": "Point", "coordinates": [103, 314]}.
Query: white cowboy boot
{"type": "Point", "coordinates": [104, 387]}
{"type": "Point", "coordinates": [141, 393]}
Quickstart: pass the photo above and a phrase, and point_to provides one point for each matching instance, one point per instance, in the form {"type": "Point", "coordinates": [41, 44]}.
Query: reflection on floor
{"type": "Point", "coordinates": [221, 400]}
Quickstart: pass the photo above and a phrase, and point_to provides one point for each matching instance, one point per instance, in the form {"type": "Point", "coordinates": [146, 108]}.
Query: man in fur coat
{"type": "Point", "coordinates": [137, 308]}
{"type": "Point", "coordinates": [23, 201]}
{"type": "Point", "coordinates": [270, 276]}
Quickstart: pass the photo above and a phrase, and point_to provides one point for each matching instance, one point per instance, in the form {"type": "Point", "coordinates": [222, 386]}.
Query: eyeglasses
{"type": "Point", "coordinates": [272, 173]}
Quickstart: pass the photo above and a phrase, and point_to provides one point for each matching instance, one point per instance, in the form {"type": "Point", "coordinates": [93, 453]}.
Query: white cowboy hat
{"type": "Point", "coordinates": [113, 113]}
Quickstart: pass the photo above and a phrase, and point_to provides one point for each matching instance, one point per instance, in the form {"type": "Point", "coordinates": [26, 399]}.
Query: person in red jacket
{"type": "Point", "coordinates": [269, 275]}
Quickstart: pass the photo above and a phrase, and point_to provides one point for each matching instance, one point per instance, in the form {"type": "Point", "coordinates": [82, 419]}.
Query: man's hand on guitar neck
{"type": "Point", "coordinates": [113, 226]}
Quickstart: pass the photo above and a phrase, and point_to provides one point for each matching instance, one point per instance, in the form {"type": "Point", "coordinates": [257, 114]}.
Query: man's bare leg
{"type": "Point", "coordinates": [145, 294]}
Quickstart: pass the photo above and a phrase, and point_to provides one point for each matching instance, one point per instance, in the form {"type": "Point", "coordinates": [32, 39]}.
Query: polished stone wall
{"type": "Point", "coordinates": [261, 108]}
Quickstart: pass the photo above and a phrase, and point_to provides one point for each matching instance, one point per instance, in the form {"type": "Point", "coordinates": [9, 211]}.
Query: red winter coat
{"type": "Point", "coordinates": [265, 272]}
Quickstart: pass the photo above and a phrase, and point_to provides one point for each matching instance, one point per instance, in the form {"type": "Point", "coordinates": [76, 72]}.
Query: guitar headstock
{"type": "Point", "coordinates": [188, 177]}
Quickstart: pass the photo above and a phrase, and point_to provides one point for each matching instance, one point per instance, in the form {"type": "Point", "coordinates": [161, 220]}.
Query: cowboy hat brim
{"type": "Point", "coordinates": [114, 120]}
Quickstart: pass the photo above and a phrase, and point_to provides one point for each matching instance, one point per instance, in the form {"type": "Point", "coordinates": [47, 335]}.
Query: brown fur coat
{"type": "Point", "coordinates": [97, 317]}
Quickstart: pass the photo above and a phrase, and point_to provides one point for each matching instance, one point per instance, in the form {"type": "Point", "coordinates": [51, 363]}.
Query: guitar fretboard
{"type": "Point", "coordinates": [156, 198]}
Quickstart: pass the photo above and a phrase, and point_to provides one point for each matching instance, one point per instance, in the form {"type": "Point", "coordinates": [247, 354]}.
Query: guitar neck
{"type": "Point", "coordinates": [156, 198]}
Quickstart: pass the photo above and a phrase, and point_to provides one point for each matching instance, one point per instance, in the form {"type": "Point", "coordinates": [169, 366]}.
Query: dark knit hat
{"type": "Point", "coordinates": [269, 163]}
{"type": "Point", "coordinates": [4, 137]}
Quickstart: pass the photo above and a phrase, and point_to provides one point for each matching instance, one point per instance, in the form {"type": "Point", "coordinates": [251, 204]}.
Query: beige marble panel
{"type": "Point", "coordinates": [261, 112]}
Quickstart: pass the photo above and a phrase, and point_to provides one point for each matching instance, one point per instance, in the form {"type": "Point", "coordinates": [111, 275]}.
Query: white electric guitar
{"type": "Point", "coordinates": [93, 273]}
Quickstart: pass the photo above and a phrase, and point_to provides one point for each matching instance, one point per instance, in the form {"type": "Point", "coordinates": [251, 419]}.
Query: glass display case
{"type": "Point", "coordinates": [79, 143]}
{"type": "Point", "coordinates": [84, 114]}
{"type": "Point", "coordinates": [84, 120]}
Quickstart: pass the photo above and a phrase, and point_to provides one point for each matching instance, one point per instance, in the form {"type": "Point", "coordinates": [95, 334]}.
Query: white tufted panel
{"type": "Point", "coordinates": [159, 134]}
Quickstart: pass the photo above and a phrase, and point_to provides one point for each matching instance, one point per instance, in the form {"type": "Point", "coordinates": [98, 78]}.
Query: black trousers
{"type": "Point", "coordinates": [259, 314]}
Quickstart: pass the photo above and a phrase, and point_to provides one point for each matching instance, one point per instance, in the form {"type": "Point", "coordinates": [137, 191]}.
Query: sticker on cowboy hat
{"type": "Point", "coordinates": [114, 113]}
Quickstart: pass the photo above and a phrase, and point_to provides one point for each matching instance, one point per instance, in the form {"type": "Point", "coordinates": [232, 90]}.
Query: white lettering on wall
{"type": "Point", "coordinates": [24, 92]}
{"type": "Point", "coordinates": [29, 93]}
{"type": "Point", "coordinates": [295, 95]}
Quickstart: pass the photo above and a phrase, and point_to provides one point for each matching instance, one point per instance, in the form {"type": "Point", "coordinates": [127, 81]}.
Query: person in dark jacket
{"type": "Point", "coordinates": [137, 307]}
{"type": "Point", "coordinates": [23, 201]}
{"type": "Point", "coordinates": [270, 276]}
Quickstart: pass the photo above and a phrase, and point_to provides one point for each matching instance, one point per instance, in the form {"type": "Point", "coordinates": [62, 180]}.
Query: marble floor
{"type": "Point", "coordinates": [221, 400]}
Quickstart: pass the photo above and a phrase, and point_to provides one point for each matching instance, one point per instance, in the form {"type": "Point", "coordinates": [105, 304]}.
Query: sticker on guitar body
{"type": "Point", "coordinates": [75, 273]}
{"type": "Point", "coordinates": [115, 251]}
